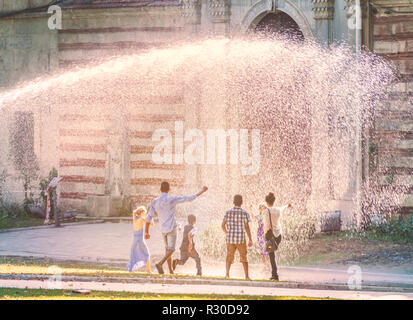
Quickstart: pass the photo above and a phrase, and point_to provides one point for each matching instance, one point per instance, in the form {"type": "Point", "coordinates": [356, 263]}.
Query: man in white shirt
{"type": "Point", "coordinates": [165, 206]}
{"type": "Point", "coordinates": [272, 228]}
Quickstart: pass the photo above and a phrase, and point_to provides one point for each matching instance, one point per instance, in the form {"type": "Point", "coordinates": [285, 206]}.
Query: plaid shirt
{"type": "Point", "coordinates": [235, 220]}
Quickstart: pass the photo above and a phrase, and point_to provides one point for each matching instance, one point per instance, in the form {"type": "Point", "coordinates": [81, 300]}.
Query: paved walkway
{"type": "Point", "coordinates": [110, 242]}
{"type": "Point", "coordinates": [90, 242]}
{"type": "Point", "coordinates": [205, 289]}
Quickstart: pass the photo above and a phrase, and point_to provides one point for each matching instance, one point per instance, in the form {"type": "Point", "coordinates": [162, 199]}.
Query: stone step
{"type": "Point", "coordinates": [15, 5]}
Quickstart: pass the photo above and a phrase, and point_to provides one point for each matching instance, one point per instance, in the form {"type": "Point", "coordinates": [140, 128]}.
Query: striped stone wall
{"type": "Point", "coordinates": [393, 39]}
{"type": "Point", "coordinates": [82, 155]}
{"type": "Point", "coordinates": [92, 32]}
{"type": "Point", "coordinates": [145, 175]}
{"type": "Point", "coordinates": [85, 156]}
{"type": "Point", "coordinates": [76, 141]}
{"type": "Point", "coordinates": [89, 33]}
{"type": "Point", "coordinates": [394, 141]}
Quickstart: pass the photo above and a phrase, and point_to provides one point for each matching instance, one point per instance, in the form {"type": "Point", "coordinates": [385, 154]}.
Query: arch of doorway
{"type": "Point", "coordinates": [263, 7]}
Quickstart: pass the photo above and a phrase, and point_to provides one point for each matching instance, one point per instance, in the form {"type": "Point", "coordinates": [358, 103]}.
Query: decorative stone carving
{"type": "Point", "coordinates": [191, 11]}
{"type": "Point", "coordinates": [323, 9]}
{"type": "Point", "coordinates": [114, 160]}
{"type": "Point", "coordinates": [117, 148]}
{"type": "Point", "coordinates": [350, 7]}
{"type": "Point", "coordinates": [219, 10]}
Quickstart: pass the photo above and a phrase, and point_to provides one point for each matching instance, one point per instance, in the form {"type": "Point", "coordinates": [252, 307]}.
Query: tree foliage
{"type": "Point", "coordinates": [22, 152]}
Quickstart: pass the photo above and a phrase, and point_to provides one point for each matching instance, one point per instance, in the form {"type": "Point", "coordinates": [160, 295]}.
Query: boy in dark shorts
{"type": "Point", "coordinates": [188, 246]}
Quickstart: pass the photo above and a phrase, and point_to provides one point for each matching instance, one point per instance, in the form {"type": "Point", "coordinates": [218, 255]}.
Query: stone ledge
{"type": "Point", "coordinates": [50, 226]}
{"type": "Point", "coordinates": [17, 5]}
{"type": "Point", "coordinates": [78, 4]}
{"type": "Point", "coordinates": [380, 287]}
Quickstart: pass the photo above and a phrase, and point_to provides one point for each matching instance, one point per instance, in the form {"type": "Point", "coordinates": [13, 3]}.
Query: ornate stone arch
{"type": "Point", "coordinates": [262, 7]}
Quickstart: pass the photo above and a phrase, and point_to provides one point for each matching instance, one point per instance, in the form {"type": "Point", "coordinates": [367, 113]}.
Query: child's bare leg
{"type": "Point", "coordinates": [169, 261]}
{"type": "Point", "coordinates": [148, 266]}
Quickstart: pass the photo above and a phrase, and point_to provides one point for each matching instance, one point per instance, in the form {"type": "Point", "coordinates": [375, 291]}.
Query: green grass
{"type": "Point", "coordinates": [43, 294]}
{"type": "Point", "coordinates": [320, 258]}
{"type": "Point", "coordinates": [19, 222]}
{"type": "Point", "coordinates": [20, 266]}
{"type": "Point", "coordinates": [397, 230]}
{"type": "Point", "coordinates": [378, 235]}
{"type": "Point", "coordinates": [338, 247]}
{"type": "Point", "coordinates": [25, 221]}
{"type": "Point", "coordinates": [24, 266]}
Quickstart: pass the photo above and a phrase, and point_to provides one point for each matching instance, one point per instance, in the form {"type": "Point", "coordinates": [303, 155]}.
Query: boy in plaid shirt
{"type": "Point", "coordinates": [235, 224]}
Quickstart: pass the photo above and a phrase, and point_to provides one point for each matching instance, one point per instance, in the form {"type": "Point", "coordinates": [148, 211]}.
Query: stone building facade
{"type": "Point", "coordinates": [95, 28]}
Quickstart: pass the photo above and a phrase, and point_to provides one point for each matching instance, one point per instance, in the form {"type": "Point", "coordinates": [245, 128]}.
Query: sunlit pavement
{"type": "Point", "coordinates": [110, 243]}
{"type": "Point", "coordinates": [204, 289]}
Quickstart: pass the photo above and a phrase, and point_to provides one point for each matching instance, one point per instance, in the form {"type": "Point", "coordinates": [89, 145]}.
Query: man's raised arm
{"type": "Point", "coordinates": [203, 190]}
{"type": "Point", "coordinates": [180, 199]}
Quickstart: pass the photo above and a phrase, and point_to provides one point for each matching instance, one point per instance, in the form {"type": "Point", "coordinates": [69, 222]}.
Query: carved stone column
{"type": "Point", "coordinates": [219, 14]}
{"type": "Point", "coordinates": [117, 176]}
{"type": "Point", "coordinates": [350, 8]}
{"type": "Point", "coordinates": [351, 11]}
{"type": "Point", "coordinates": [324, 14]}
{"type": "Point", "coordinates": [323, 9]}
{"type": "Point", "coordinates": [191, 12]}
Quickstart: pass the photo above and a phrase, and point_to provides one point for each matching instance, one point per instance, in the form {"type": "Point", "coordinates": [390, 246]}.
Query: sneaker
{"type": "Point", "coordinates": [174, 264]}
{"type": "Point", "coordinates": [274, 278]}
{"type": "Point", "coordinates": [159, 268]}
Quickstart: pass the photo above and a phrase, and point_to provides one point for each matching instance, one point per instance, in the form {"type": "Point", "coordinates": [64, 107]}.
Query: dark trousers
{"type": "Point", "coordinates": [272, 255]}
{"type": "Point", "coordinates": [185, 255]}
